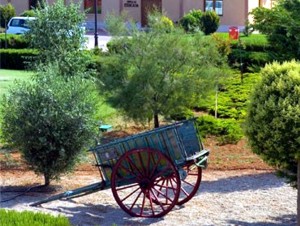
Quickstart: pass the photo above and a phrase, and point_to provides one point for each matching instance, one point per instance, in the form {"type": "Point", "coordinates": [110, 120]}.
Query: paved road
{"type": "Point", "coordinates": [102, 41]}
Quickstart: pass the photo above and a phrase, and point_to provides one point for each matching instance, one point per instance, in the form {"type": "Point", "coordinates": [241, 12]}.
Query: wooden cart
{"type": "Point", "coordinates": [150, 172]}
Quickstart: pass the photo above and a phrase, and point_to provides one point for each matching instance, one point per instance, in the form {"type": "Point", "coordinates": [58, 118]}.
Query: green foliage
{"type": "Point", "coordinates": [233, 96]}
{"type": "Point", "coordinates": [255, 42]}
{"type": "Point", "coordinates": [191, 22]}
{"type": "Point", "coordinates": [160, 73]}
{"type": "Point", "coordinates": [6, 12]}
{"type": "Point", "coordinates": [25, 218]}
{"type": "Point", "coordinates": [210, 22]}
{"type": "Point", "coordinates": [160, 22]}
{"type": "Point", "coordinates": [8, 77]}
{"type": "Point", "coordinates": [50, 120]}
{"type": "Point", "coordinates": [248, 59]}
{"type": "Point", "coordinates": [223, 45]}
{"type": "Point", "coordinates": [13, 41]}
{"type": "Point", "coordinates": [273, 123]}
{"type": "Point", "coordinates": [28, 13]}
{"type": "Point", "coordinates": [228, 131]}
{"type": "Point", "coordinates": [17, 58]}
{"type": "Point", "coordinates": [280, 24]}
{"type": "Point", "coordinates": [119, 45]}
{"type": "Point", "coordinates": [248, 30]}
{"type": "Point", "coordinates": [57, 34]}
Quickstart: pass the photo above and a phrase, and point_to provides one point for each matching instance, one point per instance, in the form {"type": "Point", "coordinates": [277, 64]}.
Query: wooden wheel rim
{"type": "Point", "coordinates": [190, 184]}
{"type": "Point", "coordinates": [145, 183]}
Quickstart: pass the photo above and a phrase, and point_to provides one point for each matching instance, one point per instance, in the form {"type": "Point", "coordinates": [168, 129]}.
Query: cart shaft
{"type": "Point", "coordinates": [73, 193]}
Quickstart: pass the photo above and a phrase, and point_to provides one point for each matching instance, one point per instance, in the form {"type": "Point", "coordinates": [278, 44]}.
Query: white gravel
{"type": "Point", "coordinates": [246, 198]}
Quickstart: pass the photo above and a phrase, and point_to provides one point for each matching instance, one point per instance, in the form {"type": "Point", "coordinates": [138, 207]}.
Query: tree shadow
{"type": "Point", "coordinates": [104, 215]}
{"type": "Point", "coordinates": [11, 196]}
{"type": "Point", "coordinates": [286, 220]}
{"type": "Point", "coordinates": [262, 181]}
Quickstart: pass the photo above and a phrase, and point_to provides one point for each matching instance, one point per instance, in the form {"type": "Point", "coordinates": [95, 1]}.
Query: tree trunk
{"type": "Point", "coordinates": [156, 122]}
{"type": "Point", "coordinates": [47, 179]}
{"type": "Point", "coordinates": [298, 193]}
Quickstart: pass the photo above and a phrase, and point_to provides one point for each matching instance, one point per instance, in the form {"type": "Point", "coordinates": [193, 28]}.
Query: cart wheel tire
{"type": "Point", "coordinates": [145, 183]}
{"type": "Point", "coordinates": [190, 184]}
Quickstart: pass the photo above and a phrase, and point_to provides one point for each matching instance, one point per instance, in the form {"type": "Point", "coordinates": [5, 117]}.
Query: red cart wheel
{"type": "Point", "coordinates": [190, 184]}
{"type": "Point", "coordinates": [145, 183]}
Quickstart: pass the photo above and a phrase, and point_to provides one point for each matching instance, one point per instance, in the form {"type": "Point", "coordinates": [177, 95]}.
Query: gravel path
{"type": "Point", "coordinates": [246, 198]}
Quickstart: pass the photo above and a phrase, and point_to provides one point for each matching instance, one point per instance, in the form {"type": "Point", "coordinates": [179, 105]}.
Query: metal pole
{"type": "Point", "coordinates": [96, 25]}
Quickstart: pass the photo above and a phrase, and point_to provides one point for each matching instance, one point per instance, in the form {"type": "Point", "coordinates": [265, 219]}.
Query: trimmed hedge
{"type": "Point", "coordinates": [249, 58]}
{"type": "Point", "coordinates": [17, 58]}
{"type": "Point", "coordinates": [13, 41]}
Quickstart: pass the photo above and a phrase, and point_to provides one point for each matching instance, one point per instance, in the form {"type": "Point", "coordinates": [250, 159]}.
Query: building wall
{"type": "Point", "coordinates": [20, 5]}
{"type": "Point", "coordinates": [235, 12]}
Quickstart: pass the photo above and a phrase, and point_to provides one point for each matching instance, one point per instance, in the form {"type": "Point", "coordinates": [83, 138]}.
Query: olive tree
{"type": "Point", "coordinates": [58, 35]}
{"type": "Point", "coordinates": [50, 120]}
{"type": "Point", "coordinates": [158, 72]}
{"type": "Point", "coordinates": [273, 122]}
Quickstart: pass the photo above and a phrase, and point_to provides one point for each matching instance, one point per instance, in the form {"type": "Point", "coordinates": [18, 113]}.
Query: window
{"type": "Point", "coordinates": [89, 6]}
{"type": "Point", "coordinates": [214, 5]}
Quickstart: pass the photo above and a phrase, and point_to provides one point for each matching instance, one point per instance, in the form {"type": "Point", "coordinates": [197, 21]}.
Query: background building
{"type": "Point", "coordinates": [231, 12]}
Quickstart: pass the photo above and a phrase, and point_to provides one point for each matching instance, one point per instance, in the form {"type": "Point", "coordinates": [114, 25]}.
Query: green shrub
{"type": "Point", "coordinates": [28, 13]}
{"type": "Point", "coordinates": [249, 58]}
{"type": "Point", "coordinates": [13, 41]}
{"type": "Point", "coordinates": [210, 22]}
{"type": "Point", "coordinates": [233, 96]}
{"type": "Point", "coordinates": [223, 45]}
{"type": "Point", "coordinates": [6, 12]}
{"type": "Point", "coordinates": [227, 131]}
{"type": "Point", "coordinates": [50, 120]}
{"type": "Point", "coordinates": [273, 122]}
{"type": "Point", "coordinates": [17, 58]}
{"type": "Point", "coordinates": [191, 22]}
{"type": "Point", "coordinates": [25, 218]}
{"type": "Point", "coordinates": [118, 45]}
{"type": "Point", "coordinates": [160, 22]}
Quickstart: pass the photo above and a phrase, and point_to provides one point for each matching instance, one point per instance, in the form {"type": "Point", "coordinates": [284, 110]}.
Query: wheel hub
{"type": "Point", "coordinates": [145, 183]}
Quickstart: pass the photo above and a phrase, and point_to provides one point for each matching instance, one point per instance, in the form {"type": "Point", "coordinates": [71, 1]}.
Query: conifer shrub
{"type": "Point", "coordinates": [273, 123]}
{"type": "Point", "coordinates": [227, 131]}
{"type": "Point", "coordinates": [191, 22]}
{"type": "Point", "coordinates": [210, 22]}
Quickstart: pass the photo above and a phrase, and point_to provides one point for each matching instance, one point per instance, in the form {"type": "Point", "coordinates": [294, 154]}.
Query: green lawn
{"type": "Point", "coordinates": [7, 78]}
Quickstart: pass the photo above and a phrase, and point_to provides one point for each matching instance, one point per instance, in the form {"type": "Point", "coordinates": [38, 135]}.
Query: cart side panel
{"type": "Point", "coordinates": [190, 139]}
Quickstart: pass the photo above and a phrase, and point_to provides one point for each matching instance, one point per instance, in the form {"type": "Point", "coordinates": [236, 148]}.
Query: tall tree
{"type": "Point", "coordinates": [160, 71]}
{"type": "Point", "coordinates": [58, 35]}
{"type": "Point", "coordinates": [281, 24]}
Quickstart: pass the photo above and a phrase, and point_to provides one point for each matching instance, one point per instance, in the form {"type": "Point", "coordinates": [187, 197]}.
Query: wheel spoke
{"type": "Point", "coordinates": [184, 191]}
{"type": "Point", "coordinates": [134, 166]}
{"type": "Point", "coordinates": [136, 200]}
{"type": "Point", "coordinates": [156, 199]}
{"type": "Point", "coordinates": [142, 164]}
{"type": "Point", "coordinates": [126, 187]}
{"type": "Point", "coordinates": [165, 196]}
{"type": "Point", "coordinates": [155, 167]}
{"type": "Point", "coordinates": [192, 185]}
{"type": "Point", "coordinates": [143, 204]}
{"type": "Point", "coordinates": [130, 194]}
